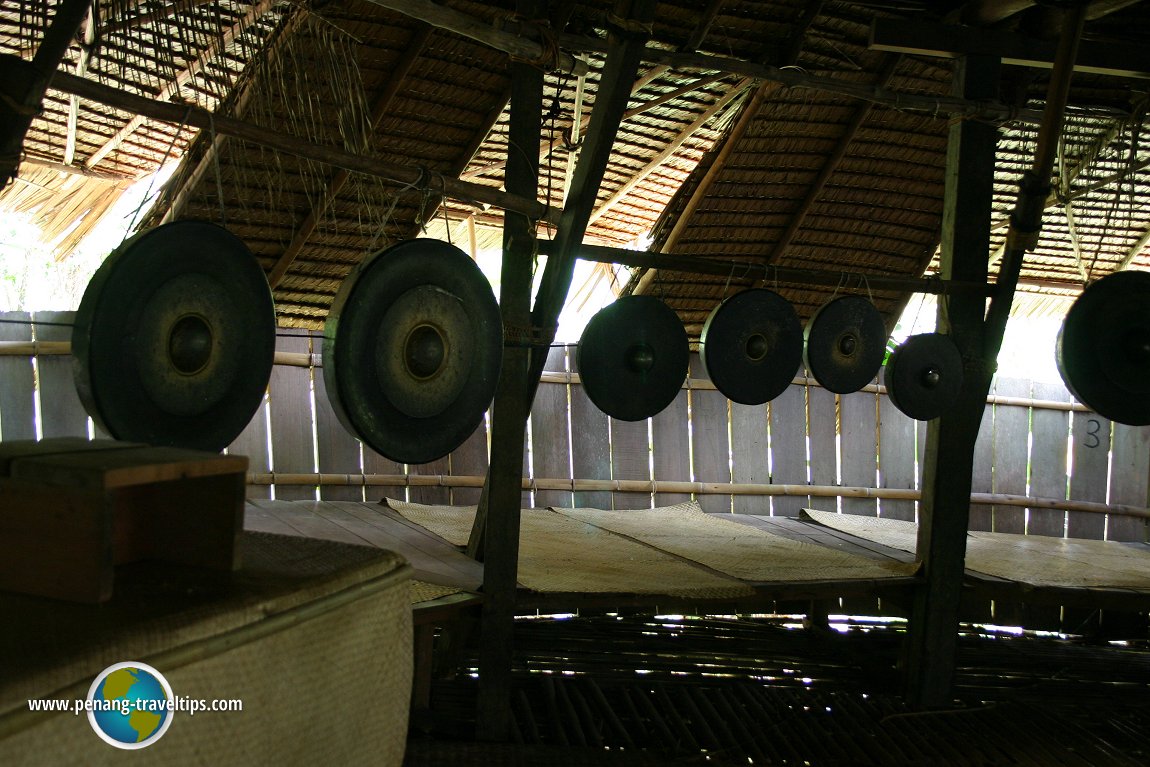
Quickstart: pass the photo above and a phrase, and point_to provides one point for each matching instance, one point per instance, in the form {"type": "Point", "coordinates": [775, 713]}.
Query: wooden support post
{"type": "Point", "coordinates": [932, 636]}
{"type": "Point", "coordinates": [497, 519]}
{"type": "Point", "coordinates": [615, 84]}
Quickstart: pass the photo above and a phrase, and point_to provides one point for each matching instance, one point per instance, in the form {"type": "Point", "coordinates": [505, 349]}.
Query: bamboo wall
{"type": "Point", "coordinates": [842, 450]}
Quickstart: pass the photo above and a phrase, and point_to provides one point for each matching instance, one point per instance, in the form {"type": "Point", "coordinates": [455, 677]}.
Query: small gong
{"type": "Point", "coordinates": [845, 344]}
{"type": "Point", "coordinates": [632, 357]}
{"type": "Point", "coordinates": [924, 375]}
{"type": "Point", "coordinates": [1104, 348]}
{"type": "Point", "coordinates": [412, 350]}
{"type": "Point", "coordinates": [751, 346]}
{"type": "Point", "coordinates": [174, 339]}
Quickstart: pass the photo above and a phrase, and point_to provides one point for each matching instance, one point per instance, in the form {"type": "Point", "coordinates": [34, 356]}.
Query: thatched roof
{"type": "Point", "coordinates": [709, 162]}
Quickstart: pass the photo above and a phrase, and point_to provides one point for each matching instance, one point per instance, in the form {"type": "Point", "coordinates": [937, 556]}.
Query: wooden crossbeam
{"type": "Point", "coordinates": [919, 38]}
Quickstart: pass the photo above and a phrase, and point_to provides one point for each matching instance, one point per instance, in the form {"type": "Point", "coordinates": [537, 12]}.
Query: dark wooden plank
{"type": "Point", "coordinates": [470, 460]}
{"type": "Point", "coordinates": [338, 449]}
{"type": "Point", "coordinates": [17, 392]}
{"type": "Point", "coordinates": [822, 416]}
{"type": "Point", "coordinates": [590, 448]}
{"type": "Point", "coordinates": [1088, 479]}
{"type": "Point", "coordinates": [253, 442]}
{"type": "Point", "coordinates": [920, 428]}
{"type": "Point", "coordinates": [1011, 433]}
{"type": "Point", "coordinates": [896, 458]}
{"type": "Point", "coordinates": [302, 517]}
{"type": "Point", "coordinates": [709, 443]}
{"type": "Point", "coordinates": [982, 477]}
{"type": "Point", "coordinates": [430, 494]}
{"type": "Point", "coordinates": [61, 412]}
{"type": "Point", "coordinates": [671, 449]}
{"type": "Point", "coordinates": [387, 530]}
{"type": "Point", "coordinates": [630, 459]}
{"type": "Point", "coordinates": [1049, 432]}
{"type": "Point", "coordinates": [859, 448]}
{"type": "Point", "coordinates": [374, 463]}
{"type": "Point", "coordinates": [1129, 472]}
{"type": "Point", "coordinates": [787, 417]}
{"type": "Point", "coordinates": [261, 520]}
{"type": "Point", "coordinates": [750, 455]}
{"type": "Point", "coordinates": [550, 456]}
{"type": "Point", "coordinates": [289, 400]}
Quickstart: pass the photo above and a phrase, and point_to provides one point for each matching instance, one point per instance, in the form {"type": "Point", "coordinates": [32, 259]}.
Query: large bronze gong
{"type": "Point", "coordinates": [924, 375]}
{"type": "Point", "coordinates": [412, 350]}
{"type": "Point", "coordinates": [845, 344]}
{"type": "Point", "coordinates": [1104, 348]}
{"type": "Point", "coordinates": [752, 345]}
{"type": "Point", "coordinates": [174, 339]}
{"type": "Point", "coordinates": [632, 357]}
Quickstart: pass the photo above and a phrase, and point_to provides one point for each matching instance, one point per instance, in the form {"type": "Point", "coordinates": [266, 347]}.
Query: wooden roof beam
{"type": "Point", "coordinates": [89, 36]}
{"type": "Point", "coordinates": [748, 115]}
{"type": "Point", "coordinates": [815, 189]}
{"type": "Point", "coordinates": [1135, 249]}
{"type": "Point", "coordinates": [125, 21]}
{"type": "Point", "coordinates": [380, 107]}
{"type": "Point", "coordinates": [229, 126]}
{"type": "Point", "coordinates": [949, 41]}
{"type": "Point", "coordinates": [680, 139]}
{"type": "Point", "coordinates": [184, 76]}
{"type": "Point", "coordinates": [518, 46]}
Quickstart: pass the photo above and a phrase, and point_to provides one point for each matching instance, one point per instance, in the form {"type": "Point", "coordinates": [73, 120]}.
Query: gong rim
{"type": "Point", "coordinates": [845, 343]}
{"type": "Point", "coordinates": [1102, 349]}
{"type": "Point", "coordinates": [359, 365]}
{"type": "Point", "coordinates": [910, 375]}
{"type": "Point", "coordinates": [632, 357]}
{"type": "Point", "coordinates": [174, 340]}
{"type": "Point", "coordinates": [752, 346]}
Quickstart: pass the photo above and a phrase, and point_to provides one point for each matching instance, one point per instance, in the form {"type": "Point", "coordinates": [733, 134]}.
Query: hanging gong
{"type": "Point", "coordinates": [411, 350]}
{"type": "Point", "coordinates": [845, 344]}
{"type": "Point", "coordinates": [1104, 348]}
{"type": "Point", "coordinates": [751, 346]}
{"type": "Point", "coordinates": [924, 375]}
{"type": "Point", "coordinates": [174, 339]}
{"type": "Point", "coordinates": [632, 357]}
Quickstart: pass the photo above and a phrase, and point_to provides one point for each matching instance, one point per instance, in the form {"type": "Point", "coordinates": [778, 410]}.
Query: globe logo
{"type": "Point", "coordinates": [130, 705]}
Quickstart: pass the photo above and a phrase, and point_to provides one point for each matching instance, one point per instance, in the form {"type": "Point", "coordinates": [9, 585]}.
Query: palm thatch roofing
{"type": "Point", "coordinates": [760, 133]}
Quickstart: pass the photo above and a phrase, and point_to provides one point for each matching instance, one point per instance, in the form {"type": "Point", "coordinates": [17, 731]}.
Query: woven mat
{"type": "Point", "coordinates": [561, 554]}
{"type": "Point", "coordinates": [422, 591]}
{"type": "Point", "coordinates": [738, 550]}
{"type": "Point", "coordinates": [1038, 560]}
{"type": "Point", "coordinates": [894, 533]}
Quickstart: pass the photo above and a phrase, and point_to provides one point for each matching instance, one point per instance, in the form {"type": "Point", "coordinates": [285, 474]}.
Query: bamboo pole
{"type": "Point", "coordinates": [696, 488]}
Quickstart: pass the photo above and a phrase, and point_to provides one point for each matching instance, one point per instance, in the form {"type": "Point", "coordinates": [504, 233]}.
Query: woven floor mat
{"type": "Point", "coordinates": [735, 549]}
{"type": "Point", "coordinates": [561, 554]}
{"type": "Point", "coordinates": [422, 591]}
{"type": "Point", "coordinates": [1038, 560]}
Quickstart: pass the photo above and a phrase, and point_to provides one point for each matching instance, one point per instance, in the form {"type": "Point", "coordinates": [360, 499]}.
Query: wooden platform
{"type": "Point", "coordinates": [437, 561]}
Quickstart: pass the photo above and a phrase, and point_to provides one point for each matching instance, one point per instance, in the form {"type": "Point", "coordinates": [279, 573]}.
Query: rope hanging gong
{"type": "Point", "coordinates": [412, 349]}
{"type": "Point", "coordinates": [1103, 351]}
{"type": "Point", "coordinates": [632, 358]}
{"type": "Point", "coordinates": [174, 339]}
{"type": "Point", "coordinates": [752, 345]}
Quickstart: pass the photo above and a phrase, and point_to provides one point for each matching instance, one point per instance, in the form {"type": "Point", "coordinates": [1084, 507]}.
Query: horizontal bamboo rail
{"type": "Point", "coordinates": [315, 360]}
{"type": "Point", "coordinates": [697, 488]}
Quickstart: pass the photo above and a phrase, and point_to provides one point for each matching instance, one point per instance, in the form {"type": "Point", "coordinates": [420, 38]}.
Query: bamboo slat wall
{"type": "Point", "coordinates": [735, 454]}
